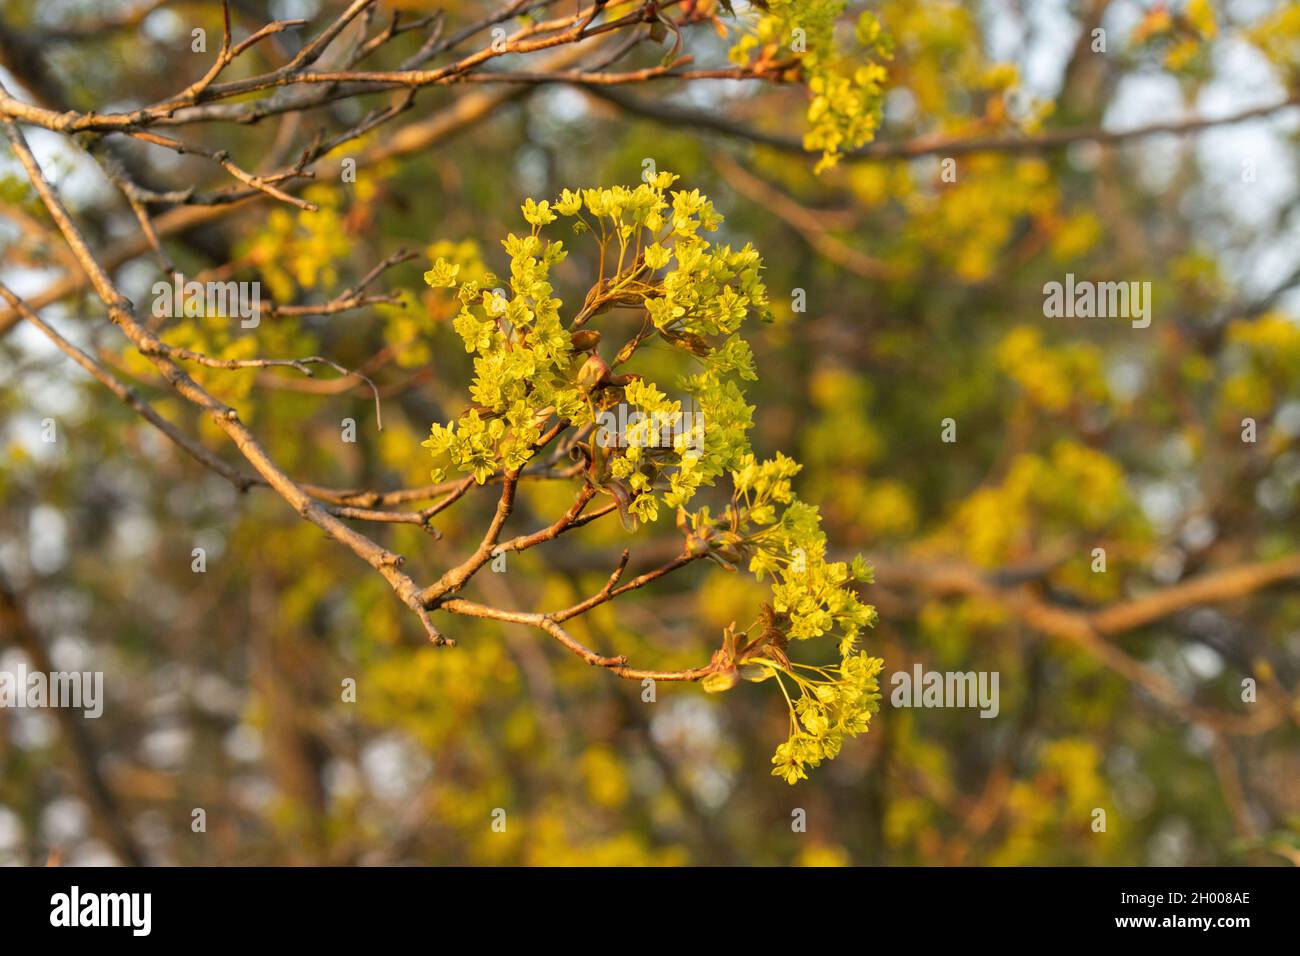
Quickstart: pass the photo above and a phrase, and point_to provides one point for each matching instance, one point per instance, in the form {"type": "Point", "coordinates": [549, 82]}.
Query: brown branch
{"type": "Point", "coordinates": [609, 592]}
{"type": "Point", "coordinates": [227, 418]}
{"type": "Point", "coordinates": [678, 117]}
{"type": "Point", "coordinates": [301, 364]}
{"type": "Point", "coordinates": [353, 297]}
{"type": "Point", "coordinates": [191, 94]}
{"type": "Point", "coordinates": [1210, 588]}
{"type": "Point", "coordinates": [1090, 630]}
{"type": "Point", "coordinates": [549, 624]}
{"type": "Point", "coordinates": [128, 395]}
{"type": "Point", "coordinates": [371, 498]}
{"type": "Point", "coordinates": [429, 133]}
{"type": "Point", "coordinates": [565, 522]}
{"type": "Point", "coordinates": [454, 579]}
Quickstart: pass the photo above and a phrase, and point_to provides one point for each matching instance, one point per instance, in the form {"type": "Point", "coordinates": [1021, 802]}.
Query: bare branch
{"type": "Point", "coordinates": [128, 395]}
{"type": "Point", "coordinates": [385, 562]}
{"type": "Point", "coordinates": [548, 623]}
{"type": "Point", "coordinates": [683, 117]}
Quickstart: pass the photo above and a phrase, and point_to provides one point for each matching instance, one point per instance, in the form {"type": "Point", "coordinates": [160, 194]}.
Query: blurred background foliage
{"type": "Point", "coordinates": [921, 300]}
